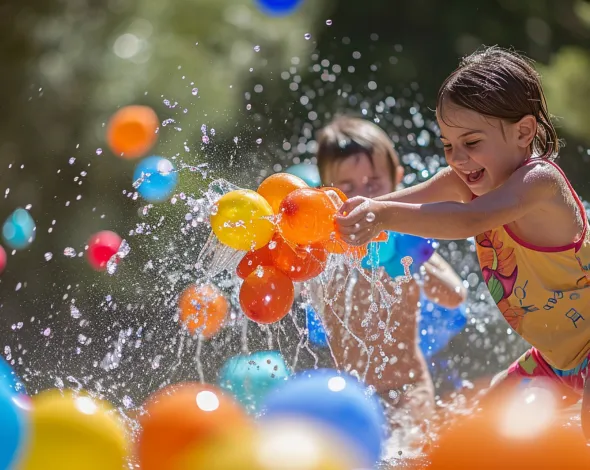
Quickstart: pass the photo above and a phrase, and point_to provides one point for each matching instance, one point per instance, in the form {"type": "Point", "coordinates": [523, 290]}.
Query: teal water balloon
{"type": "Point", "coordinates": [250, 377]}
{"type": "Point", "coordinates": [155, 179]}
{"type": "Point", "coordinates": [307, 172]}
{"type": "Point", "coordinates": [19, 229]}
{"type": "Point", "coordinates": [13, 426]}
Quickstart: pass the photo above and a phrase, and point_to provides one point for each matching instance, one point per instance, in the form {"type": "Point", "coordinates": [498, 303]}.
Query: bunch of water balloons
{"type": "Point", "coordinates": [287, 230]}
{"type": "Point", "coordinates": [309, 422]}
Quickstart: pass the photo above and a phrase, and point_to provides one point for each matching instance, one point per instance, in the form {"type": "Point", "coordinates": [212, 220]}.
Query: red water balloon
{"type": "Point", "coordinates": [253, 259]}
{"type": "Point", "coordinates": [2, 259]}
{"type": "Point", "coordinates": [299, 263]}
{"type": "Point", "coordinates": [266, 295]}
{"type": "Point", "coordinates": [101, 247]}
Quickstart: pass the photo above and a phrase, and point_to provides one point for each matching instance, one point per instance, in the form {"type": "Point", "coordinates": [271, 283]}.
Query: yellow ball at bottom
{"type": "Point", "coordinates": [242, 220]}
{"type": "Point", "coordinates": [71, 431]}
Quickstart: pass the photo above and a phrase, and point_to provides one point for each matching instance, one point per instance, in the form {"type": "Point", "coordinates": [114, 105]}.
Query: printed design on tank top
{"type": "Point", "coordinates": [499, 269]}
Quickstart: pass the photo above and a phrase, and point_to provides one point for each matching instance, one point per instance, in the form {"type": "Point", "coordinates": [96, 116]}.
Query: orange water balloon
{"type": "Point", "coordinates": [203, 308]}
{"type": "Point", "coordinates": [523, 430]}
{"type": "Point", "coordinates": [132, 131]}
{"type": "Point", "coordinates": [181, 418]}
{"type": "Point", "coordinates": [253, 259]}
{"type": "Point", "coordinates": [299, 263]}
{"type": "Point", "coordinates": [276, 187]}
{"type": "Point", "coordinates": [307, 216]}
{"type": "Point", "coordinates": [343, 197]}
{"type": "Point", "coordinates": [267, 295]}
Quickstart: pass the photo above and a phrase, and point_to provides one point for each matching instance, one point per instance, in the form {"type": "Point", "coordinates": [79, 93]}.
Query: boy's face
{"type": "Point", "coordinates": [355, 176]}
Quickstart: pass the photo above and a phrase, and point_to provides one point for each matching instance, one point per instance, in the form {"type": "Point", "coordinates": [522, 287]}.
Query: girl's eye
{"type": "Point", "coordinates": [471, 144]}
{"type": "Point", "coordinates": [446, 146]}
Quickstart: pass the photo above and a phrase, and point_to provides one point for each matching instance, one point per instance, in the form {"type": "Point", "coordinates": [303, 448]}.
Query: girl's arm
{"type": "Point", "coordinates": [528, 188]}
{"type": "Point", "coordinates": [444, 186]}
{"type": "Point", "coordinates": [441, 283]}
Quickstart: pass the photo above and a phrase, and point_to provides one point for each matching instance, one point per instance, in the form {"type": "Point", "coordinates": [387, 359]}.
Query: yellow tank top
{"type": "Point", "coordinates": [542, 292]}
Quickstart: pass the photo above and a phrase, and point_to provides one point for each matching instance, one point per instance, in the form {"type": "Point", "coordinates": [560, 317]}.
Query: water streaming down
{"type": "Point", "coordinates": [119, 337]}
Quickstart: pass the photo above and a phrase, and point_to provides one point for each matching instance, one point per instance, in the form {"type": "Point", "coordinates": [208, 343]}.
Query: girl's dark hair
{"type": "Point", "coordinates": [346, 136]}
{"type": "Point", "coordinates": [503, 85]}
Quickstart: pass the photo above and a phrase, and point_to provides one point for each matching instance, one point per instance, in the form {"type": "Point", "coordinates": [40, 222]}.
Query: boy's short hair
{"type": "Point", "coordinates": [346, 136]}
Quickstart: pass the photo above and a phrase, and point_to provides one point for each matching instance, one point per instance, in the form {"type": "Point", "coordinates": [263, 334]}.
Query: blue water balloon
{"type": "Point", "coordinates": [389, 254]}
{"type": "Point", "coordinates": [307, 172]}
{"type": "Point", "coordinates": [278, 7]}
{"type": "Point", "coordinates": [315, 328]}
{"type": "Point", "coordinates": [19, 229]}
{"type": "Point", "coordinates": [420, 249]}
{"type": "Point", "coordinates": [9, 380]}
{"type": "Point", "coordinates": [438, 325]}
{"type": "Point", "coordinates": [250, 377]}
{"type": "Point", "coordinates": [335, 400]}
{"type": "Point", "coordinates": [13, 426]}
{"type": "Point", "coordinates": [155, 179]}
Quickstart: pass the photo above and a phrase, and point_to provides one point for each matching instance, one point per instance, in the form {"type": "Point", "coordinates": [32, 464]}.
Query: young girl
{"type": "Point", "coordinates": [503, 187]}
{"type": "Point", "coordinates": [357, 157]}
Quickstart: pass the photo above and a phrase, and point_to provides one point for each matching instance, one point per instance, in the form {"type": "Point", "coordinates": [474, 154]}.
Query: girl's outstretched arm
{"type": "Point", "coordinates": [444, 186]}
{"type": "Point", "coordinates": [529, 187]}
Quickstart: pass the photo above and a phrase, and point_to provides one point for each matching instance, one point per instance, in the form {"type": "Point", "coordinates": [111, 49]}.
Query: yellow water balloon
{"type": "Point", "coordinates": [242, 219]}
{"type": "Point", "coordinates": [70, 431]}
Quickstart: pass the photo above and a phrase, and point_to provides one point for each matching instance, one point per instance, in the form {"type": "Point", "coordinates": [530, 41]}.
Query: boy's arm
{"type": "Point", "coordinates": [441, 284]}
{"type": "Point", "coordinates": [444, 186]}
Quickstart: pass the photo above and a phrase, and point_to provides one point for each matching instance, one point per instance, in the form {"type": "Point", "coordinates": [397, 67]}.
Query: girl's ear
{"type": "Point", "coordinates": [526, 130]}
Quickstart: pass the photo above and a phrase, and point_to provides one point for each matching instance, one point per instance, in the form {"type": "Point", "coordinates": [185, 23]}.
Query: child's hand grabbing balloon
{"type": "Point", "coordinates": [359, 220]}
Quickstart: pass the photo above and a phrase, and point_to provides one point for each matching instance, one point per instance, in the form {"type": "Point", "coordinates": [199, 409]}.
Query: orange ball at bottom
{"type": "Point", "coordinates": [180, 419]}
{"type": "Point", "coordinates": [267, 295]}
{"type": "Point", "coordinates": [203, 308]}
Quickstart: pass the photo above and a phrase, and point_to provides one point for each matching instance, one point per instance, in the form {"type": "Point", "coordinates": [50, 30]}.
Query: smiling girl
{"type": "Point", "coordinates": [503, 187]}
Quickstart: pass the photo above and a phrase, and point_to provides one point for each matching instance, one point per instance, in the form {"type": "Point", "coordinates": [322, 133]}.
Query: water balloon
{"type": "Point", "coordinates": [276, 187]}
{"type": "Point", "coordinates": [315, 328]}
{"type": "Point", "coordinates": [438, 325]}
{"type": "Point", "coordinates": [266, 295]}
{"type": "Point", "coordinates": [3, 259]}
{"type": "Point", "coordinates": [9, 380]}
{"type": "Point", "coordinates": [132, 131]}
{"type": "Point", "coordinates": [307, 217]}
{"type": "Point", "coordinates": [278, 7]}
{"type": "Point", "coordinates": [307, 172]}
{"type": "Point", "coordinates": [253, 259]}
{"type": "Point", "coordinates": [418, 248]}
{"type": "Point", "coordinates": [334, 400]}
{"type": "Point", "coordinates": [13, 426]}
{"type": "Point", "coordinates": [300, 263]}
{"type": "Point", "coordinates": [19, 229]}
{"type": "Point", "coordinates": [249, 377]}
{"type": "Point", "coordinates": [102, 246]}
{"type": "Point", "coordinates": [71, 430]}
{"type": "Point", "coordinates": [242, 219]}
{"type": "Point", "coordinates": [155, 179]}
{"type": "Point", "coordinates": [183, 418]}
{"type": "Point", "coordinates": [203, 308]}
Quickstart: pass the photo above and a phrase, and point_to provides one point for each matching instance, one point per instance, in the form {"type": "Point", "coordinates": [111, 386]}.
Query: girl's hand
{"type": "Point", "coordinates": [360, 220]}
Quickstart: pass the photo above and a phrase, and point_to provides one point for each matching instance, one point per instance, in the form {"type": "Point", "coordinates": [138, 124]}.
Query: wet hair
{"type": "Point", "coordinates": [346, 136]}
{"type": "Point", "coordinates": [501, 84]}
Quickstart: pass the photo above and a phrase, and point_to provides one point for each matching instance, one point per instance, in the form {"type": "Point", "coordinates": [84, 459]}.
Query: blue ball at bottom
{"type": "Point", "coordinates": [13, 427]}
{"type": "Point", "coordinates": [155, 179]}
{"type": "Point", "coordinates": [249, 378]}
{"type": "Point", "coordinates": [336, 400]}
{"type": "Point", "coordinates": [9, 380]}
